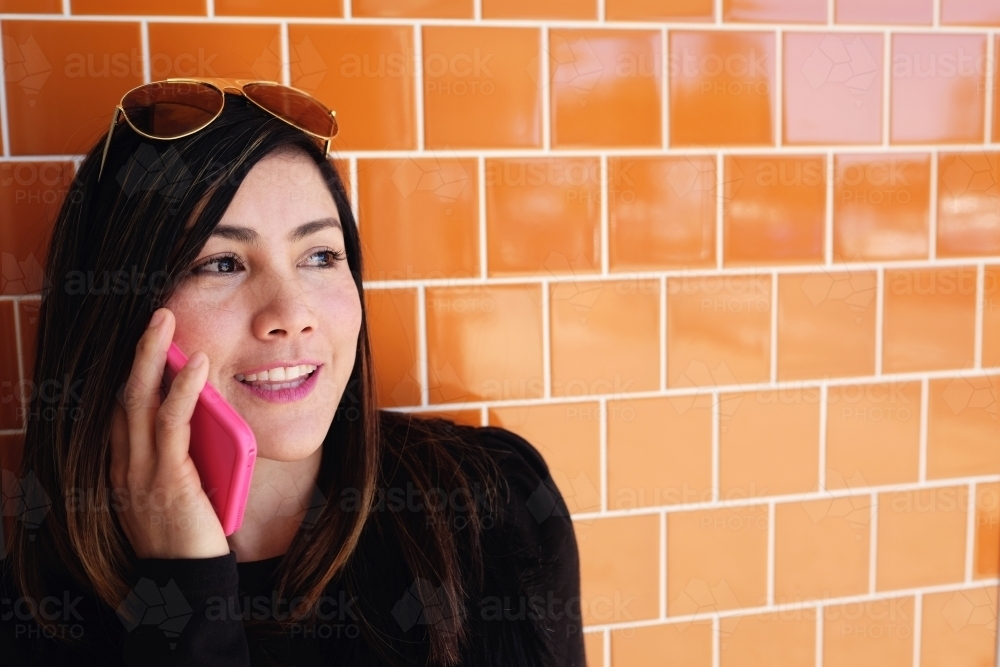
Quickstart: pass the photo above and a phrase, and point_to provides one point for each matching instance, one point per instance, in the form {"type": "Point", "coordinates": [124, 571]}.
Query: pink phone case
{"type": "Point", "coordinates": [223, 448]}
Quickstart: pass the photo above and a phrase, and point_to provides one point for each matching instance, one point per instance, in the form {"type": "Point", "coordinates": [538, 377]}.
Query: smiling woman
{"type": "Point", "coordinates": [369, 537]}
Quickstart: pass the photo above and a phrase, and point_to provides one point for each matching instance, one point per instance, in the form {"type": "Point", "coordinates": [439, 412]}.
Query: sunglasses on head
{"type": "Point", "coordinates": [177, 108]}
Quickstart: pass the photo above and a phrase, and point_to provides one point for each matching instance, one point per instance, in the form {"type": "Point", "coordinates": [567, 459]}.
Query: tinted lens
{"type": "Point", "coordinates": [294, 107]}
{"type": "Point", "coordinates": [168, 110]}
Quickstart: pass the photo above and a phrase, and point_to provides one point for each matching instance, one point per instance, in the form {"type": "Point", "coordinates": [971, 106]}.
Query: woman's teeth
{"type": "Point", "coordinates": [280, 374]}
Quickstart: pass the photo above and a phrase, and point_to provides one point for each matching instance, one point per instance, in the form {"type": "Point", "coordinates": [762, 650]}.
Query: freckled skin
{"type": "Point", "coordinates": [275, 302]}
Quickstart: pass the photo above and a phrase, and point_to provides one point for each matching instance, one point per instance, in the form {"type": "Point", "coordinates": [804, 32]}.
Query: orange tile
{"type": "Point", "coordinates": [872, 434]}
{"type": "Point", "coordinates": [454, 9]}
{"type": "Point", "coordinates": [969, 12]}
{"type": "Point", "coordinates": [466, 417]}
{"type": "Point", "coordinates": [11, 408]}
{"type": "Point", "coordinates": [659, 452]}
{"type": "Point", "coordinates": [959, 628]}
{"type": "Point", "coordinates": [543, 215]}
{"type": "Point", "coordinates": [821, 548]}
{"type": "Point", "coordinates": [991, 316]}
{"type": "Point", "coordinates": [826, 324]}
{"type": "Point", "coordinates": [569, 437]}
{"type": "Point", "coordinates": [687, 644]}
{"type": "Point", "coordinates": [718, 330]}
{"type": "Point", "coordinates": [754, 460]}
{"type": "Point", "coordinates": [962, 429]}
{"type": "Point", "coordinates": [878, 633]}
{"type": "Point", "coordinates": [605, 337]}
{"type": "Point", "coordinates": [785, 638]}
{"type": "Point", "coordinates": [606, 87]}
{"type": "Point", "coordinates": [775, 209]}
{"type": "Point", "coordinates": [392, 325]}
{"type": "Point", "coordinates": [31, 6]}
{"type": "Point", "coordinates": [312, 8]}
{"type": "Point", "coordinates": [930, 317]}
{"type": "Point", "coordinates": [481, 87]}
{"type": "Point", "coordinates": [364, 73]}
{"type": "Point", "coordinates": [419, 218]}
{"type": "Point", "coordinates": [214, 49]}
{"type": "Point", "coordinates": [938, 88]}
{"type": "Point", "coordinates": [967, 204]}
{"type": "Point", "coordinates": [593, 643]}
{"type": "Point", "coordinates": [619, 568]}
{"type": "Point", "coordinates": [881, 207]}
{"type": "Point", "coordinates": [996, 85]}
{"type": "Point", "coordinates": [29, 309]}
{"type": "Point", "coordinates": [62, 83]}
{"type": "Point", "coordinates": [921, 537]}
{"type": "Point", "coordinates": [31, 194]}
{"type": "Point", "coordinates": [484, 343]}
{"type": "Point", "coordinates": [539, 9]}
{"type": "Point", "coordinates": [986, 557]}
{"type": "Point", "coordinates": [656, 10]}
{"type": "Point", "coordinates": [832, 90]}
{"type": "Point", "coordinates": [722, 88]}
{"type": "Point", "coordinates": [168, 7]}
{"type": "Point", "coordinates": [791, 11]}
{"type": "Point", "coordinates": [916, 12]}
{"type": "Point", "coordinates": [716, 560]}
{"type": "Point", "coordinates": [661, 212]}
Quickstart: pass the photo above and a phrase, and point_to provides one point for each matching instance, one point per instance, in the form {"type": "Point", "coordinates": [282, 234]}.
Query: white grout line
{"type": "Point", "coordinates": [663, 564]}
{"type": "Point", "coordinates": [879, 319]}
{"type": "Point", "coordinates": [831, 176]}
{"type": "Point", "coordinates": [716, 444]}
{"type": "Point", "coordinates": [483, 258]}
{"type": "Point", "coordinates": [718, 13]}
{"type": "Point", "coordinates": [4, 129]}
{"type": "Point", "coordinates": [477, 10]}
{"type": "Point", "coordinates": [824, 410]}
{"type": "Point", "coordinates": [774, 328]}
{"type": "Point", "coordinates": [830, 17]}
{"type": "Point", "coordinates": [663, 333]}
{"type": "Point", "coordinates": [771, 547]}
{"type": "Point", "coordinates": [933, 208]}
{"type": "Point", "coordinates": [601, 11]}
{"type": "Point", "coordinates": [665, 94]}
{"type": "Point", "coordinates": [937, 14]}
{"type": "Point", "coordinates": [348, 9]}
{"type": "Point", "coordinates": [716, 640]}
{"type": "Point", "coordinates": [286, 59]}
{"type": "Point", "coordinates": [970, 533]}
{"type": "Point", "coordinates": [990, 101]}
{"type": "Point", "coordinates": [873, 545]}
{"type": "Point", "coordinates": [211, 7]}
{"type": "Point", "coordinates": [606, 645]}
{"type": "Point", "coordinates": [65, 8]}
{"type": "Point", "coordinates": [777, 102]}
{"type": "Point", "coordinates": [605, 205]}
{"type": "Point", "coordinates": [422, 358]}
{"type": "Point", "coordinates": [545, 78]}
{"type": "Point", "coordinates": [484, 416]}
{"type": "Point", "coordinates": [819, 633]}
{"type": "Point", "coordinates": [720, 193]}
{"type": "Point", "coordinates": [144, 45]}
{"type": "Point", "coordinates": [886, 85]}
{"type": "Point", "coordinates": [603, 406]}
{"type": "Point", "coordinates": [980, 306]}
{"type": "Point", "coordinates": [924, 421]}
{"type": "Point", "coordinates": [418, 83]}
{"type": "Point", "coordinates": [918, 621]}
{"type": "Point", "coordinates": [546, 342]}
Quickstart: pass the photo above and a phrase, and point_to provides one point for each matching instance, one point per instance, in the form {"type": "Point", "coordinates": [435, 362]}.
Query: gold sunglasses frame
{"type": "Point", "coordinates": [234, 86]}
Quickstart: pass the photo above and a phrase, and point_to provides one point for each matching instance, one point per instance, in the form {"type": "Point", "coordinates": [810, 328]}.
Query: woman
{"type": "Point", "coordinates": [369, 537]}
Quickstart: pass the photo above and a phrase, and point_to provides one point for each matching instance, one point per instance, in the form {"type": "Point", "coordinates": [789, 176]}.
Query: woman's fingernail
{"type": "Point", "coordinates": [156, 319]}
{"type": "Point", "coordinates": [196, 360]}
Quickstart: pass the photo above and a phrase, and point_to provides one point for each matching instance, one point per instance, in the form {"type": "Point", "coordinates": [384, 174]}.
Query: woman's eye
{"type": "Point", "coordinates": [226, 264]}
{"type": "Point", "coordinates": [330, 257]}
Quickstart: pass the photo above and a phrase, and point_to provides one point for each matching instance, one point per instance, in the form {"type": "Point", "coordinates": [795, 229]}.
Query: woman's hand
{"type": "Point", "coordinates": [157, 492]}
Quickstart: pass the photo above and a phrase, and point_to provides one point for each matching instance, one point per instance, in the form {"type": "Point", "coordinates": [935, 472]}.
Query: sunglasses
{"type": "Point", "coordinates": [178, 108]}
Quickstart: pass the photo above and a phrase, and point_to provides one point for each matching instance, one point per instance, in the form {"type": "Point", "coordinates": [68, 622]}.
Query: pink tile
{"type": "Point", "coordinates": [915, 12]}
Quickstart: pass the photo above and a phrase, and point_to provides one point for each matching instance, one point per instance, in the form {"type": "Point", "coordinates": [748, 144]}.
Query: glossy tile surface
{"type": "Point", "coordinates": [881, 207]}
{"type": "Point", "coordinates": [610, 79]}
{"type": "Point", "coordinates": [881, 635]}
{"type": "Point", "coordinates": [755, 640]}
{"type": "Point", "coordinates": [605, 337]}
{"type": "Point", "coordinates": [687, 644]}
{"type": "Point", "coordinates": [484, 343]}
{"type": "Point", "coordinates": [392, 327]}
{"type": "Point", "coordinates": [539, 9]}
{"type": "Point", "coordinates": [722, 88]}
{"type": "Point", "coordinates": [986, 559]}
{"type": "Point", "coordinates": [543, 216]}
{"type": "Point", "coordinates": [832, 90]}
{"type": "Point", "coordinates": [655, 10]}
{"type": "Point", "coordinates": [946, 640]}
{"type": "Point", "coordinates": [215, 50]}
{"type": "Point", "coordinates": [915, 12]}
{"type": "Point", "coordinates": [792, 11]}
{"type": "Point", "coordinates": [486, 74]}
{"type": "Point", "coordinates": [448, 9]}
{"type": "Point", "coordinates": [661, 212]}
{"type": "Point", "coordinates": [365, 74]}
{"type": "Point", "coordinates": [31, 6]}
{"type": "Point", "coordinates": [969, 12]}
{"type": "Point", "coordinates": [929, 319]}
{"type": "Point", "coordinates": [419, 218]}
{"type": "Point", "coordinates": [11, 410]}
{"type": "Point", "coordinates": [177, 7]}
{"type": "Point", "coordinates": [826, 324]}
{"type": "Point", "coordinates": [938, 88]}
{"type": "Point", "coordinates": [963, 429]}
{"type": "Point", "coordinates": [774, 210]}
{"type": "Point", "coordinates": [310, 8]}
{"type": "Point", "coordinates": [967, 204]}
{"type": "Point", "coordinates": [718, 330]}
{"type": "Point", "coordinates": [921, 536]}
{"type": "Point", "coordinates": [991, 316]}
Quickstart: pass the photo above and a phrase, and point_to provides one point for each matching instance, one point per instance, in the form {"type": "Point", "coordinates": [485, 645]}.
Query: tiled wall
{"type": "Point", "coordinates": [732, 266]}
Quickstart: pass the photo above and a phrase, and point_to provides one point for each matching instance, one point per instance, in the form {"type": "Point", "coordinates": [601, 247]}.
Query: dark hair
{"type": "Point", "coordinates": [150, 214]}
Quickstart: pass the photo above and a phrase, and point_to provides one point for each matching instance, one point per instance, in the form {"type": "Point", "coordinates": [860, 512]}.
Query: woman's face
{"type": "Point", "coordinates": [272, 289]}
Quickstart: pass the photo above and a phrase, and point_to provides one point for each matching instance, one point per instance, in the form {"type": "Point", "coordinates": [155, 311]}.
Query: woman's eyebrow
{"type": "Point", "coordinates": [249, 236]}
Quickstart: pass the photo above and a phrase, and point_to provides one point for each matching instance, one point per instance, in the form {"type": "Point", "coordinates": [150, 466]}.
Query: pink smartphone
{"type": "Point", "coordinates": [223, 448]}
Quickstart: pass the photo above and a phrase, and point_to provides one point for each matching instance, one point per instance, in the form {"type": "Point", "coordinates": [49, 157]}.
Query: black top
{"type": "Point", "coordinates": [193, 610]}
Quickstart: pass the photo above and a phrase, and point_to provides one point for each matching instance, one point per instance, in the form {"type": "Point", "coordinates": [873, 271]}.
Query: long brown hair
{"type": "Point", "coordinates": [142, 224]}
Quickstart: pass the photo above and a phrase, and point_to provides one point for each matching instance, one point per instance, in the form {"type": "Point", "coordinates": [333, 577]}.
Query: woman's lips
{"type": "Point", "coordinates": [283, 391]}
